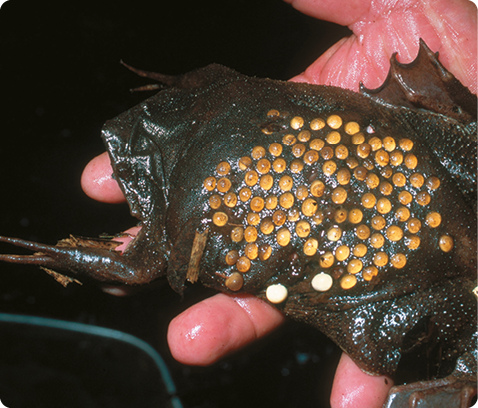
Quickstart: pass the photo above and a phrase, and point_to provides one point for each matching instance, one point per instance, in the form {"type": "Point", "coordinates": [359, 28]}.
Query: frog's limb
{"type": "Point", "coordinates": [93, 259]}
{"type": "Point", "coordinates": [455, 391]}
{"type": "Point", "coordinates": [426, 84]}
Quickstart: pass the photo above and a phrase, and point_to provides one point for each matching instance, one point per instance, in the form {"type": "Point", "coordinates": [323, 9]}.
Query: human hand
{"type": "Point", "coordinates": [221, 324]}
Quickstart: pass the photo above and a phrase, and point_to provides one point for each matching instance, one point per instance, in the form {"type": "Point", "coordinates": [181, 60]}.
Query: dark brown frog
{"type": "Point", "coordinates": [352, 212]}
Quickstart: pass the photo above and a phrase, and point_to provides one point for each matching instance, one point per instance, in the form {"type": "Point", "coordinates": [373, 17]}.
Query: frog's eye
{"type": "Point", "coordinates": [352, 201]}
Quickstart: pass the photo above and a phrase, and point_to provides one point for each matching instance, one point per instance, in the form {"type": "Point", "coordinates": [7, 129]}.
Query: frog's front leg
{"type": "Point", "coordinates": [455, 391]}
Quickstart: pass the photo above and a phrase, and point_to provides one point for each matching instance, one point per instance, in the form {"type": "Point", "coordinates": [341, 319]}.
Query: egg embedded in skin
{"type": "Point", "coordinates": [325, 190]}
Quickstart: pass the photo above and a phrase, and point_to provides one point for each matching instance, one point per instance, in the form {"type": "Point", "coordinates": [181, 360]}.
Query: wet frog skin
{"type": "Point", "coordinates": [354, 213]}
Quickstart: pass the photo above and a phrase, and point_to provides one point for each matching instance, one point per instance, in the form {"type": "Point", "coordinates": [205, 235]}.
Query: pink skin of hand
{"type": "Point", "coordinates": [221, 324]}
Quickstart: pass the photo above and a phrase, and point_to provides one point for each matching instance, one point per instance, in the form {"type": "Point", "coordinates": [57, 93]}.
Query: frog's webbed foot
{"type": "Point", "coordinates": [77, 257]}
{"type": "Point", "coordinates": [455, 391]}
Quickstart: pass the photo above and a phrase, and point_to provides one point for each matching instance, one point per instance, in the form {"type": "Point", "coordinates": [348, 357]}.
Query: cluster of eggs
{"type": "Point", "coordinates": [341, 195]}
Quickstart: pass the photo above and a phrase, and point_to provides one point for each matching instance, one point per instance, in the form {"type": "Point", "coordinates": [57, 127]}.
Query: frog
{"type": "Point", "coordinates": [352, 212]}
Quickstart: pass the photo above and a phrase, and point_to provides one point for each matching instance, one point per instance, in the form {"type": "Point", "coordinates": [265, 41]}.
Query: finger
{"type": "Point", "coordinates": [97, 181]}
{"type": "Point", "coordinates": [219, 325]}
{"type": "Point", "coordinates": [123, 290]}
{"type": "Point", "coordinates": [341, 12]}
{"type": "Point", "coordinates": [355, 389]}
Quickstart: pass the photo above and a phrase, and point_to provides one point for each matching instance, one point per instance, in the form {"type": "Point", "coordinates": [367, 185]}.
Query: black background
{"type": "Point", "coordinates": [60, 79]}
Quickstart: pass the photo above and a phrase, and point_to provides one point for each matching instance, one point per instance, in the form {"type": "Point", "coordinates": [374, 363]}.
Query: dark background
{"type": "Point", "coordinates": [60, 79]}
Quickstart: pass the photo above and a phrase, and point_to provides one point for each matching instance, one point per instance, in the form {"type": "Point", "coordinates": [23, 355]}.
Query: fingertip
{"type": "Point", "coordinates": [219, 325]}
{"type": "Point", "coordinates": [97, 181]}
{"type": "Point", "coordinates": [355, 389]}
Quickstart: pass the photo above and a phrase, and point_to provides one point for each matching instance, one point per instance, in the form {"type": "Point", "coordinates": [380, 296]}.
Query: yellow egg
{"type": "Point", "coordinates": [355, 216]}
{"type": "Point", "coordinates": [267, 226]}
{"type": "Point", "coordinates": [396, 158]}
{"type": "Point", "coordinates": [376, 143]}
{"type": "Point", "coordinates": [389, 143]}
{"type": "Point", "coordinates": [414, 225]}
{"type": "Point", "coordinates": [317, 144]}
{"type": "Point", "coordinates": [310, 247]}
{"type": "Point", "coordinates": [411, 161]}
{"type": "Point", "coordinates": [402, 214]}
{"type": "Point", "coordinates": [301, 192]}
{"type": "Point", "coordinates": [271, 202]}
{"type": "Point", "coordinates": [297, 122]}
{"type": "Point", "coordinates": [250, 234]}
{"type": "Point", "coordinates": [341, 152]}
{"type": "Point", "coordinates": [279, 165]}
{"type": "Point", "coordinates": [384, 206]}
{"type": "Point", "coordinates": [333, 138]}
{"type": "Point", "coordinates": [360, 250]}
{"type": "Point", "coordinates": [362, 231]}
{"type": "Point", "coordinates": [275, 149]}
{"type": "Point", "coordinates": [354, 266]}
{"type": "Point", "coordinates": [405, 197]}
{"type": "Point", "coordinates": [263, 166]}
{"type": "Point", "coordinates": [304, 136]}
{"type": "Point", "coordinates": [334, 121]}
{"type": "Point", "coordinates": [243, 264]}
{"type": "Point", "coordinates": [283, 237]}
{"type": "Point", "coordinates": [380, 259]}
{"type": "Point", "coordinates": [210, 183]}
{"type": "Point", "coordinates": [417, 180]}
{"type": "Point", "coordinates": [329, 167]}
{"type": "Point", "coordinates": [309, 207]}
{"type": "Point", "coordinates": [339, 195]}
{"type": "Point", "coordinates": [377, 240]}
{"type": "Point", "coordinates": [446, 243]}
{"type": "Point", "coordinates": [342, 253]}
{"type": "Point", "coordinates": [317, 188]}
{"type": "Point", "coordinates": [296, 166]}
{"type": "Point", "coordinates": [412, 242]}
{"type": "Point", "coordinates": [232, 257]}
{"type": "Point", "coordinates": [351, 128]}
{"type": "Point", "coordinates": [279, 217]}
{"type": "Point", "coordinates": [334, 233]}
{"type": "Point", "coordinates": [398, 261]}
{"type": "Point", "coordinates": [244, 194]}
{"type": "Point", "coordinates": [433, 219]}
{"type": "Point", "coordinates": [302, 229]}
{"type": "Point", "coordinates": [286, 183]}
{"type": "Point", "coordinates": [348, 281]}
{"type": "Point", "coordinates": [265, 252]}
{"type": "Point", "coordinates": [343, 177]}
{"type": "Point", "coordinates": [234, 282]}
{"type": "Point", "coordinates": [215, 201]}
{"type": "Point", "coordinates": [258, 152]}
{"type": "Point", "coordinates": [257, 204]}
{"type": "Point", "coordinates": [266, 182]}
{"type": "Point", "coordinates": [253, 219]}
{"type": "Point", "coordinates": [251, 178]}
{"type": "Point", "coordinates": [237, 234]}
{"type": "Point", "coordinates": [317, 124]}
{"type": "Point", "coordinates": [251, 251]}
{"type": "Point", "coordinates": [220, 219]}
{"type": "Point", "coordinates": [405, 144]}
{"type": "Point", "coordinates": [368, 200]}
{"type": "Point", "coordinates": [230, 200]}
{"type": "Point", "coordinates": [326, 260]}
{"type": "Point", "coordinates": [298, 149]}
{"type": "Point", "coordinates": [223, 168]}
{"type": "Point", "coordinates": [286, 200]}
{"type": "Point", "coordinates": [310, 157]}
{"type": "Point", "coordinates": [394, 233]}
{"type": "Point", "coordinates": [378, 222]}
{"type": "Point", "coordinates": [245, 163]}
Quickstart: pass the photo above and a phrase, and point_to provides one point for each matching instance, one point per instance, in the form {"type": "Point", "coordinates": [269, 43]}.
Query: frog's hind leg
{"type": "Point", "coordinates": [195, 79]}
{"type": "Point", "coordinates": [455, 391]}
